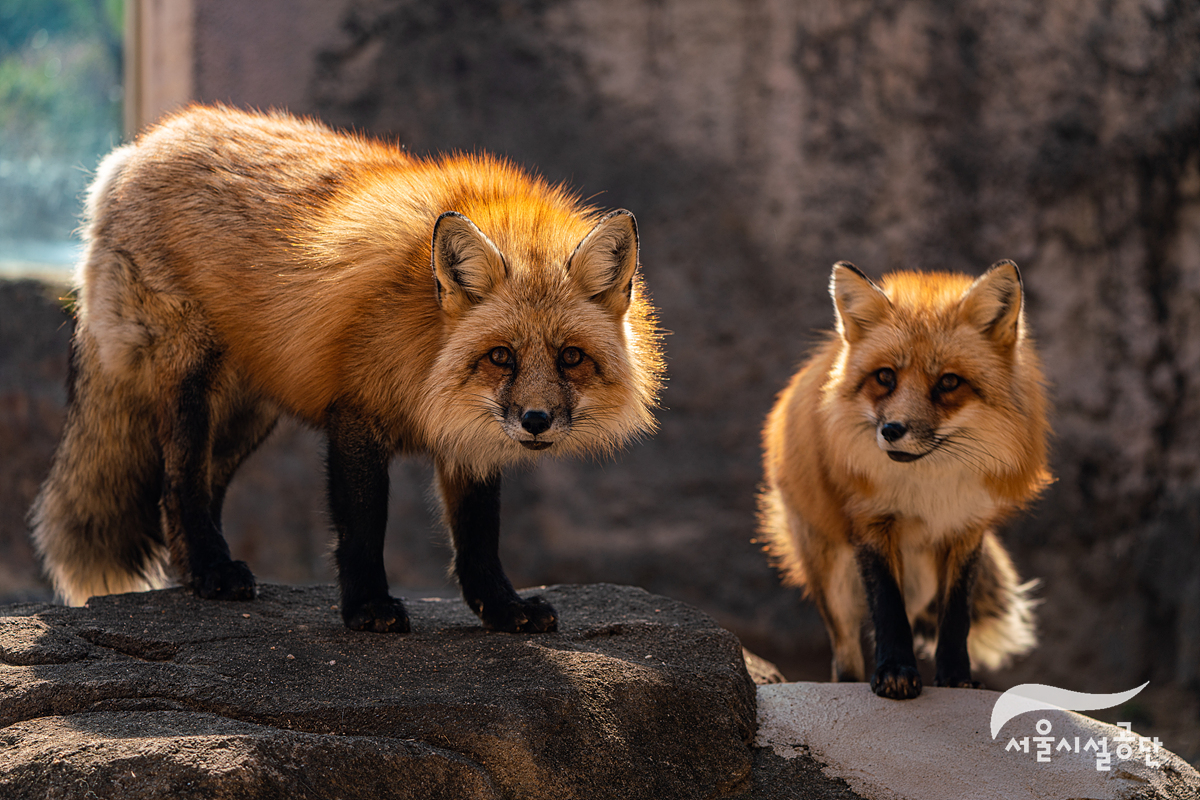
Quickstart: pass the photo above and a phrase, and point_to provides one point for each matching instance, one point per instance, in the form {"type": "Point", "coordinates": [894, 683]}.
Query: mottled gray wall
{"type": "Point", "coordinates": [757, 143]}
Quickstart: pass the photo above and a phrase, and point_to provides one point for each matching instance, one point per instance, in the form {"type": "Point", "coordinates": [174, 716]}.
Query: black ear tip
{"type": "Point", "coordinates": [621, 212]}
{"type": "Point", "coordinates": [1005, 262]}
{"type": "Point", "coordinates": [851, 267]}
{"type": "Point", "coordinates": [444, 215]}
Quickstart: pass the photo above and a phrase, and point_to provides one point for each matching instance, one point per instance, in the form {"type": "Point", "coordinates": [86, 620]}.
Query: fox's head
{"type": "Point", "coordinates": [550, 345]}
{"type": "Point", "coordinates": [933, 368]}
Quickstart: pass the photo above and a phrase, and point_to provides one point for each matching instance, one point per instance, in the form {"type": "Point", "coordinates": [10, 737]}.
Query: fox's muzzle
{"type": "Point", "coordinates": [545, 427]}
{"type": "Point", "coordinates": [892, 432]}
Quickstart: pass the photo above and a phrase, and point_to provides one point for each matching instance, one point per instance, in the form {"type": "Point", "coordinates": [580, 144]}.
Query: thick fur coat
{"type": "Point", "coordinates": [890, 459]}
{"type": "Point", "coordinates": [242, 266]}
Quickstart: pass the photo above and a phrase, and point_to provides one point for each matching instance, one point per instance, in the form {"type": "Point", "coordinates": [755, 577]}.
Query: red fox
{"type": "Point", "coordinates": [241, 266]}
{"type": "Point", "coordinates": [890, 458]}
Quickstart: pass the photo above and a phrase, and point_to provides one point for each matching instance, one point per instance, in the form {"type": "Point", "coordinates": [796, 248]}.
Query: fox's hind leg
{"type": "Point", "coordinates": [238, 435]}
{"type": "Point", "coordinates": [198, 548]}
{"type": "Point", "coordinates": [357, 470]}
{"type": "Point", "coordinates": [472, 509]}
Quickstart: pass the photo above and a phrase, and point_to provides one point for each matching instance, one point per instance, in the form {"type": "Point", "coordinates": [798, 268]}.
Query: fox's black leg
{"type": "Point", "coordinates": [193, 533]}
{"type": "Point", "coordinates": [233, 441]}
{"type": "Point", "coordinates": [357, 465]}
{"type": "Point", "coordinates": [896, 674]}
{"type": "Point", "coordinates": [953, 662]}
{"type": "Point", "coordinates": [472, 510]}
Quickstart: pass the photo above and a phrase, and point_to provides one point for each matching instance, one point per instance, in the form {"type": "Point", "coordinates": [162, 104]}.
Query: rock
{"type": "Point", "coordinates": [939, 747]}
{"type": "Point", "coordinates": [162, 694]}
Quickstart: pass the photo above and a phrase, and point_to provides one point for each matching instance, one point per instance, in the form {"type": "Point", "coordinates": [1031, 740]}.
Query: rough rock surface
{"type": "Point", "coordinates": [164, 695]}
{"type": "Point", "coordinates": [939, 747]}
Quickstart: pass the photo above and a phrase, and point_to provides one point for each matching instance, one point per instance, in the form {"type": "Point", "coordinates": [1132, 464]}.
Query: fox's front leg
{"type": "Point", "coordinates": [896, 674]}
{"type": "Point", "coordinates": [954, 620]}
{"type": "Point", "coordinates": [193, 531]}
{"type": "Point", "coordinates": [472, 509]}
{"type": "Point", "coordinates": [357, 469]}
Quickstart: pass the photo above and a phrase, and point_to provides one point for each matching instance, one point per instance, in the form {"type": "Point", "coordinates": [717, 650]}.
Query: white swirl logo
{"type": "Point", "coordinates": [1038, 696]}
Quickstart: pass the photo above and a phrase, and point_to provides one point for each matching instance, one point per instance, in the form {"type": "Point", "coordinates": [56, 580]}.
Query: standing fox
{"type": "Point", "coordinates": [891, 457]}
{"type": "Point", "coordinates": [243, 266]}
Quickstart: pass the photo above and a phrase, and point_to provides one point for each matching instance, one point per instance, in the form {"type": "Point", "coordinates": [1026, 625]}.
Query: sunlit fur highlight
{"type": "Point", "coordinates": [828, 476]}
{"type": "Point", "coordinates": [302, 257]}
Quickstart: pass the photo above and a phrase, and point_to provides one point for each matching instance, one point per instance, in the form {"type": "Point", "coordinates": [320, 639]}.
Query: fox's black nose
{"type": "Point", "coordinates": [893, 431]}
{"type": "Point", "coordinates": [535, 421]}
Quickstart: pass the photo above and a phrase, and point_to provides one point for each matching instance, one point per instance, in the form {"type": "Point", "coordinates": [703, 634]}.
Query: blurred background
{"type": "Point", "coordinates": [757, 141]}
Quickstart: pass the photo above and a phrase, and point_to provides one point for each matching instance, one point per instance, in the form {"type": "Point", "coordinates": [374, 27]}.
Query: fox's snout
{"type": "Point", "coordinates": [905, 440]}
{"type": "Point", "coordinates": [536, 428]}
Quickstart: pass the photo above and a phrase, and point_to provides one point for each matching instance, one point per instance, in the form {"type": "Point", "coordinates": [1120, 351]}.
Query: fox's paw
{"type": "Point", "coordinates": [225, 580]}
{"type": "Point", "coordinates": [519, 615]}
{"type": "Point", "coordinates": [896, 681]}
{"type": "Point", "coordinates": [383, 615]}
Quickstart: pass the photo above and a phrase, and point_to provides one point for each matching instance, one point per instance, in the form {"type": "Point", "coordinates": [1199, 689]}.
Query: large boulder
{"type": "Point", "coordinates": [164, 695]}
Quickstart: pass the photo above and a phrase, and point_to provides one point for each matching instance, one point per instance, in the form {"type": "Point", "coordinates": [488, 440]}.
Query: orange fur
{"type": "Point", "coordinates": [294, 267]}
{"type": "Point", "coordinates": [975, 452]}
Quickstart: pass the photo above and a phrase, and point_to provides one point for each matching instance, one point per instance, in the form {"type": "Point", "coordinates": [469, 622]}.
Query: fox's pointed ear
{"type": "Point", "coordinates": [467, 266]}
{"type": "Point", "coordinates": [859, 304]}
{"type": "Point", "coordinates": [604, 263]}
{"type": "Point", "coordinates": [993, 303]}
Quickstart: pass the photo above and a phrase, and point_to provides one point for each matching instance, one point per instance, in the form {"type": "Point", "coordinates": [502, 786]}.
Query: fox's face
{"type": "Point", "coordinates": [927, 365]}
{"type": "Point", "coordinates": [540, 355]}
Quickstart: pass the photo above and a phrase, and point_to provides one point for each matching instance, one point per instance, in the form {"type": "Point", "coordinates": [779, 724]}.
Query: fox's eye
{"type": "Point", "coordinates": [500, 356]}
{"type": "Point", "coordinates": [886, 377]}
{"type": "Point", "coordinates": [948, 382]}
{"type": "Point", "coordinates": [570, 356]}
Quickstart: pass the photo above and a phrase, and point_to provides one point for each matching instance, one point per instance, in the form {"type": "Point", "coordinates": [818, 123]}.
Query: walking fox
{"type": "Point", "coordinates": [241, 266]}
{"type": "Point", "coordinates": [890, 458]}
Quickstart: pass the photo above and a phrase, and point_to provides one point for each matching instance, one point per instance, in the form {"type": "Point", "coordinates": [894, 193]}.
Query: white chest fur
{"type": "Point", "coordinates": [933, 498]}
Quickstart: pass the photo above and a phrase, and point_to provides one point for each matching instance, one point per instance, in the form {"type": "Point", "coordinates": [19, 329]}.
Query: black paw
{"type": "Point", "coordinates": [383, 615]}
{"type": "Point", "coordinates": [896, 681]}
{"type": "Point", "coordinates": [957, 683]}
{"type": "Point", "coordinates": [225, 580]}
{"type": "Point", "coordinates": [531, 615]}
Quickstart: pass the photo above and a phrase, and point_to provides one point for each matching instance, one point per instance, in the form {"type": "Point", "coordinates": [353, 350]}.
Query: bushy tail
{"type": "Point", "coordinates": [95, 522]}
{"type": "Point", "coordinates": [775, 535]}
{"type": "Point", "coordinates": [1002, 609]}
